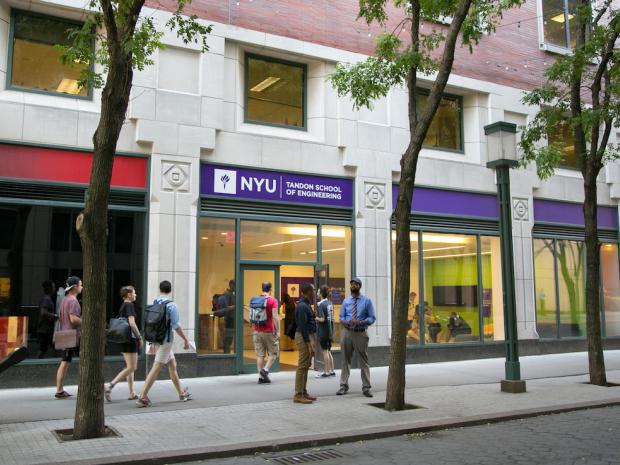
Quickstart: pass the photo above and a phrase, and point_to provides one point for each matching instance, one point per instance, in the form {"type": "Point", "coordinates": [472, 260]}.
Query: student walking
{"type": "Point", "coordinates": [163, 350]}
{"type": "Point", "coordinates": [266, 333]}
{"type": "Point", "coordinates": [130, 349]}
{"type": "Point", "coordinates": [70, 317]}
{"type": "Point", "coordinates": [356, 314]}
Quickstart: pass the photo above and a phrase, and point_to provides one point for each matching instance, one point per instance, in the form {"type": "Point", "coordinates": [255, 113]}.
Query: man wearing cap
{"type": "Point", "coordinates": [70, 317]}
{"type": "Point", "coordinates": [356, 314]}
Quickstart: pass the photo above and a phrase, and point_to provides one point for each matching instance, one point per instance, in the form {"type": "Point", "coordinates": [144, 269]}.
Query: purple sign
{"type": "Point", "coordinates": [552, 211]}
{"type": "Point", "coordinates": [243, 183]}
{"type": "Point", "coordinates": [444, 202]}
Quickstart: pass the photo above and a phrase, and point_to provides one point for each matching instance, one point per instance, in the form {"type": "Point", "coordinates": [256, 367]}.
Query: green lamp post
{"type": "Point", "coordinates": [502, 155]}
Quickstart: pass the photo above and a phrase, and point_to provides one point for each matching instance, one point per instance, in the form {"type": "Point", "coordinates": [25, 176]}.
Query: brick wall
{"type": "Point", "coordinates": [510, 57]}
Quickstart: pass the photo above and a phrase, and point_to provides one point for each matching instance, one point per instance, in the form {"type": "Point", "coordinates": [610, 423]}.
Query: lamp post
{"type": "Point", "coordinates": [502, 153]}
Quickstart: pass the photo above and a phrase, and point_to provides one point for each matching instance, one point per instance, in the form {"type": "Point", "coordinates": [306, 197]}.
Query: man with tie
{"type": "Point", "coordinates": [356, 314]}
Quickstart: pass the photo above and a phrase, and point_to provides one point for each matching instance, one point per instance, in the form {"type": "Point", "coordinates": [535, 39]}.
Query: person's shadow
{"type": "Point", "coordinates": [14, 358]}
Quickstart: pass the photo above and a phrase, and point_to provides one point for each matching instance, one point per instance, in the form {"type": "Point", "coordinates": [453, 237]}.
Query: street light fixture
{"type": "Point", "coordinates": [502, 155]}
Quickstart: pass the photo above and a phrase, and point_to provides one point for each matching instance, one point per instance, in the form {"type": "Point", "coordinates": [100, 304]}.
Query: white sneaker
{"type": "Point", "coordinates": [320, 375]}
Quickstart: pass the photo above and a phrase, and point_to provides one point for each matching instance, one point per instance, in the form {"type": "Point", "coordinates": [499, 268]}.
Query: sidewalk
{"type": "Point", "coordinates": [261, 418]}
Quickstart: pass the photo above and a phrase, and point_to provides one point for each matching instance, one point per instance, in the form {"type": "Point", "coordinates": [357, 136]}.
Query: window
{"type": "Point", "coordinates": [562, 138]}
{"type": "Point", "coordinates": [216, 275]}
{"type": "Point", "coordinates": [557, 14]}
{"type": "Point", "coordinates": [34, 61]}
{"type": "Point", "coordinates": [275, 92]}
{"type": "Point", "coordinates": [265, 241]}
{"type": "Point", "coordinates": [458, 306]}
{"type": "Point", "coordinates": [445, 129]}
{"type": "Point", "coordinates": [559, 268]}
{"type": "Point", "coordinates": [610, 278]}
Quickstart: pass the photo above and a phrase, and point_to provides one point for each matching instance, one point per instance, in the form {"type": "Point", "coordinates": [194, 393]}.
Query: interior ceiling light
{"type": "Point", "coordinates": [435, 257]}
{"type": "Point", "coordinates": [261, 86]}
{"type": "Point", "coordinates": [286, 242]}
{"type": "Point", "coordinates": [560, 18]}
{"type": "Point", "coordinates": [436, 238]}
{"type": "Point", "coordinates": [441, 248]}
{"type": "Point", "coordinates": [312, 252]}
{"type": "Point", "coordinates": [308, 231]}
{"type": "Point", "coordinates": [68, 86]}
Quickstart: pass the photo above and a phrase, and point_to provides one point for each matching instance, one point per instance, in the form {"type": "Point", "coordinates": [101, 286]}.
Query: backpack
{"type": "Point", "coordinates": [156, 322]}
{"type": "Point", "coordinates": [258, 310]}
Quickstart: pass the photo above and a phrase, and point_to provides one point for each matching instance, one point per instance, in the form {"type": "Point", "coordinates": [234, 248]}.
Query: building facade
{"type": "Point", "coordinates": [242, 165]}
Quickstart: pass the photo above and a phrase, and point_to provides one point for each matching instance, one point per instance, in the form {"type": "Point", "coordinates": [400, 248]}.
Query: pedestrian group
{"type": "Point", "coordinates": [162, 322]}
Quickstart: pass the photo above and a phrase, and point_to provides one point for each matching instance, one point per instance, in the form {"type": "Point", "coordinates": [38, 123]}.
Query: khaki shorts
{"type": "Point", "coordinates": [164, 353]}
{"type": "Point", "coordinates": [265, 343]}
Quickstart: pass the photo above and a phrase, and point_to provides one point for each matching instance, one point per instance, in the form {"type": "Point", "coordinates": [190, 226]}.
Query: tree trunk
{"type": "Point", "coordinates": [596, 358]}
{"type": "Point", "coordinates": [92, 226]}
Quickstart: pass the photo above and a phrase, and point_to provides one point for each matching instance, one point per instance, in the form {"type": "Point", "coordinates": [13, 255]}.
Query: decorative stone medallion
{"type": "Point", "coordinates": [375, 195]}
{"type": "Point", "coordinates": [175, 176]}
{"type": "Point", "coordinates": [520, 210]}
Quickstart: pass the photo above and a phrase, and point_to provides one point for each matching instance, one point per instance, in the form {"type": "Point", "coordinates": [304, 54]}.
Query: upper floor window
{"type": "Point", "coordinates": [562, 137]}
{"type": "Point", "coordinates": [34, 62]}
{"type": "Point", "coordinates": [560, 25]}
{"type": "Point", "coordinates": [275, 92]}
{"type": "Point", "coordinates": [445, 131]}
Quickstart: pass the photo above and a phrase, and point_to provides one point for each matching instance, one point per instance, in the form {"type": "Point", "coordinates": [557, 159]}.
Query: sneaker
{"type": "Point", "coordinates": [325, 375]}
{"type": "Point", "coordinates": [333, 373]}
{"type": "Point", "coordinates": [367, 393]}
{"type": "Point", "coordinates": [264, 373]}
{"type": "Point", "coordinates": [342, 391]}
{"type": "Point", "coordinates": [107, 392]}
{"type": "Point", "coordinates": [62, 395]}
{"type": "Point", "coordinates": [322, 374]}
{"type": "Point", "coordinates": [264, 380]}
{"type": "Point", "coordinates": [143, 402]}
{"type": "Point", "coordinates": [185, 396]}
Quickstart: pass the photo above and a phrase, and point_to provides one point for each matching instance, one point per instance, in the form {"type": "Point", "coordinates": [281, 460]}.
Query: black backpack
{"type": "Point", "coordinates": [156, 322]}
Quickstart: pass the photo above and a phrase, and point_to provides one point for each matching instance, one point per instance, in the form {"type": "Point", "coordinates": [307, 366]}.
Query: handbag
{"type": "Point", "coordinates": [119, 331]}
{"type": "Point", "coordinates": [66, 339]}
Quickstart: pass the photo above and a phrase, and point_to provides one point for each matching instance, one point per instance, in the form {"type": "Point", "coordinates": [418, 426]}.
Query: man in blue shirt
{"type": "Point", "coordinates": [356, 314]}
{"type": "Point", "coordinates": [164, 354]}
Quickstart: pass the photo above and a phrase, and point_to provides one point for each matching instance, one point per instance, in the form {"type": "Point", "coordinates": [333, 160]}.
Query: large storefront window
{"type": "Point", "coordinates": [278, 242]}
{"type": "Point", "coordinates": [39, 249]}
{"type": "Point", "coordinates": [454, 300]}
{"type": "Point", "coordinates": [560, 264]}
{"type": "Point", "coordinates": [610, 277]}
{"type": "Point", "coordinates": [337, 253]}
{"type": "Point", "coordinates": [217, 287]}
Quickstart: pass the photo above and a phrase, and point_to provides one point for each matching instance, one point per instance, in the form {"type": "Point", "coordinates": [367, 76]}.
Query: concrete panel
{"type": "Point", "coordinates": [50, 126]}
{"type": "Point", "coordinates": [145, 78]}
{"type": "Point", "coordinates": [316, 97]}
{"type": "Point", "coordinates": [242, 148]}
{"type": "Point", "coordinates": [399, 109]}
{"type": "Point", "coordinates": [164, 136]}
{"type": "Point", "coordinates": [142, 103]}
{"type": "Point", "coordinates": [318, 156]}
{"type": "Point", "coordinates": [192, 139]}
{"type": "Point", "coordinates": [378, 114]}
{"type": "Point", "coordinates": [87, 125]}
{"type": "Point", "coordinates": [163, 237]}
{"type": "Point", "coordinates": [127, 139]}
{"type": "Point", "coordinates": [229, 116]}
{"type": "Point", "coordinates": [374, 137]}
{"type": "Point", "coordinates": [231, 67]}
{"type": "Point", "coordinates": [213, 75]}
{"type": "Point", "coordinates": [185, 243]}
{"type": "Point", "coordinates": [281, 153]}
{"type": "Point", "coordinates": [347, 133]}
{"type": "Point", "coordinates": [178, 108]}
{"type": "Point", "coordinates": [382, 246]}
{"type": "Point", "coordinates": [399, 140]}
{"type": "Point", "coordinates": [331, 101]}
{"type": "Point", "coordinates": [211, 114]}
{"type": "Point", "coordinates": [331, 132]}
{"type": "Point", "coordinates": [12, 122]}
{"type": "Point", "coordinates": [215, 43]}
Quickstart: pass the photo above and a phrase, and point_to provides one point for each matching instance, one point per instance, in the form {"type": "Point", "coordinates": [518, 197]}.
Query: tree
{"type": "Point", "coordinates": [582, 89]}
{"type": "Point", "coordinates": [398, 61]}
{"type": "Point", "coordinates": [125, 41]}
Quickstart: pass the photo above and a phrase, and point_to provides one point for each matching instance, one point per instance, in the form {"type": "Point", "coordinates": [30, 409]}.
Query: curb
{"type": "Point", "coordinates": [363, 434]}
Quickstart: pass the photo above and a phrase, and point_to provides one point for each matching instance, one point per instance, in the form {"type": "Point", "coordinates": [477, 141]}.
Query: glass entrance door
{"type": "Point", "coordinates": [252, 278]}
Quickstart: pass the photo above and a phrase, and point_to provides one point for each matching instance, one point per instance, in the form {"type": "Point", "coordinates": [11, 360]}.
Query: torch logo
{"type": "Point", "coordinates": [224, 181]}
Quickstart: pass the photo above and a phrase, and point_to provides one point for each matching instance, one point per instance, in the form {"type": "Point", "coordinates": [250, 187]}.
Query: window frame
{"type": "Point", "coordinates": [9, 68]}
{"type": "Point", "coordinates": [459, 99]}
{"type": "Point", "coordinates": [304, 68]}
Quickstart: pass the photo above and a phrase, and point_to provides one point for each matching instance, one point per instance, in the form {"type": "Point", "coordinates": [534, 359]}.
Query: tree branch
{"type": "Point", "coordinates": [601, 12]}
{"type": "Point", "coordinates": [110, 25]}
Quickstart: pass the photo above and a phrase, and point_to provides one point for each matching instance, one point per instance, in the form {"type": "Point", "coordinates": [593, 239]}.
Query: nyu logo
{"type": "Point", "coordinates": [224, 181]}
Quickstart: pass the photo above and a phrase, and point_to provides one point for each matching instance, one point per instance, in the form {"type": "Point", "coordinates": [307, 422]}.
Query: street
{"type": "Point", "coordinates": [585, 437]}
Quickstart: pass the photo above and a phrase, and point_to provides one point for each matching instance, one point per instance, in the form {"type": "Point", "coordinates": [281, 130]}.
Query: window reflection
{"type": "Point", "coordinates": [555, 16]}
{"type": "Point", "coordinates": [544, 270]}
{"type": "Point", "coordinates": [610, 278]}
{"type": "Point", "coordinates": [445, 129]}
{"type": "Point", "coordinates": [562, 138]}
{"type": "Point", "coordinates": [217, 288]}
{"type": "Point", "coordinates": [280, 241]}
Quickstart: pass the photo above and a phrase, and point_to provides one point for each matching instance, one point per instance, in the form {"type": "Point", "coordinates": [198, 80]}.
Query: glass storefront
{"type": "Point", "coordinates": [285, 252]}
{"type": "Point", "coordinates": [39, 245]}
{"type": "Point", "coordinates": [462, 290]}
{"type": "Point", "coordinates": [559, 269]}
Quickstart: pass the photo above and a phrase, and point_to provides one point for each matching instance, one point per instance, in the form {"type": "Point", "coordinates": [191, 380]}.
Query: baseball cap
{"type": "Point", "coordinates": [356, 280]}
{"type": "Point", "coordinates": [72, 281]}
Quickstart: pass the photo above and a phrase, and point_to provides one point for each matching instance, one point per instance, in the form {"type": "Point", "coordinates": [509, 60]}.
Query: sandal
{"type": "Point", "coordinates": [62, 395]}
{"type": "Point", "coordinates": [143, 402]}
{"type": "Point", "coordinates": [185, 396]}
{"type": "Point", "coordinates": [107, 392]}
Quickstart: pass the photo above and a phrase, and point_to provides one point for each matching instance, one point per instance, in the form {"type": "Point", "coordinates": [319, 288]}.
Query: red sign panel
{"type": "Point", "coordinates": [44, 164]}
